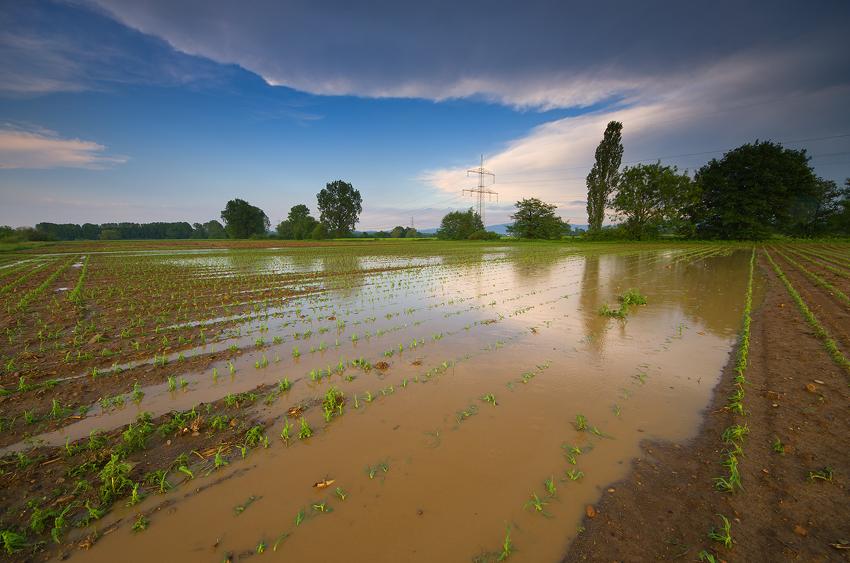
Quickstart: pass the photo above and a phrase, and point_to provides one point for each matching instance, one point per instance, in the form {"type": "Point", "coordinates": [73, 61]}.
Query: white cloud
{"type": "Point", "coordinates": [42, 148]}
{"type": "Point", "coordinates": [719, 107]}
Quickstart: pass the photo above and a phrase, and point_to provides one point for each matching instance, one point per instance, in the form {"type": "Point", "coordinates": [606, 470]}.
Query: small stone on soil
{"type": "Point", "coordinates": [590, 511]}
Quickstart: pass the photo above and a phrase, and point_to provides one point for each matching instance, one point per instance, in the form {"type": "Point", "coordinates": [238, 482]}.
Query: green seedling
{"type": "Point", "coordinates": [580, 423]}
{"type": "Point", "coordinates": [286, 432]}
{"type": "Point", "coordinates": [574, 474]}
{"type": "Point", "coordinates": [549, 484]}
{"type": "Point", "coordinates": [239, 509]}
{"type": "Point", "coordinates": [507, 546]}
{"type": "Point", "coordinates": [141, 523]}
{"type": "Point", "coordinates": [722, 535]}
{"type": "Point", "coordinates": [778, 446]}
{"type": "Point", "coordinates": [305, 431]}
{"type": "Point", "coordinates": [823, 474]}
{"type": "Point", "coordinates": [490, 398]}
{"type": "Point", "coordinates": [340, 493]}
{"type": "Point", "coordinates": [537, 503]}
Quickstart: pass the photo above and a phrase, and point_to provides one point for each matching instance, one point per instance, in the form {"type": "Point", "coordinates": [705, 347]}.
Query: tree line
{"type": "Point", "coordinates": [339, 205]}
{"type": "Point", "coordinates": [753, 192]}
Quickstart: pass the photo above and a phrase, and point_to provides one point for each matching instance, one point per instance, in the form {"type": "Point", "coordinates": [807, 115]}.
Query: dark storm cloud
{"type": "Point", "coordinates": [529, 54]}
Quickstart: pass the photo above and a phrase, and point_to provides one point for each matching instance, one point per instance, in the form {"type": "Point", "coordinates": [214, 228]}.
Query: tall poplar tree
{"type": "Point", "coordinates": [604, 175]}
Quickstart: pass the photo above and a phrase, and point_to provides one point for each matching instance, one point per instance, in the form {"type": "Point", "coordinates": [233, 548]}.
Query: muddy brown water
{"type": "Point", "coordinates": [452, 483]}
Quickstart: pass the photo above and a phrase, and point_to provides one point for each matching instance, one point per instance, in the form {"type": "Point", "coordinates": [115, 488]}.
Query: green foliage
{"type": "Point", "coordinates": [652, 198]}
{"type": "Point", "coordinates": [136, 435]}
{"type": "Point", "coordinates": [750, 192]}
{"type": "Point", "coordinates": [340, 206]}
{"type": "Point", "coordinates": [536, 219]}
{"type": "Point", "coordinates": [242, 220]}
{"type": "Point", "coordinates": [12, 541]}
{"type": "Point", "coordinates": [460, 225]}
{"type": "Point", "coordinates": [604, 176]}
{"type": "Point", "coordinates": [299, 224]}
{"type": "Point", "coordinates": [114, 478]}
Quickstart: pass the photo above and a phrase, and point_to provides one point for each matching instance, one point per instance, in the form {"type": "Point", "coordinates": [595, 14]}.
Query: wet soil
{"type": "Point", "coordinates": [666, 507]}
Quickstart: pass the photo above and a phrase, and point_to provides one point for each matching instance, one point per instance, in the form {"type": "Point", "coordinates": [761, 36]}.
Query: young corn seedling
{"type": "Point", "coordinates": [777, 446]}
{"type": "Point", "coordinates": [286, 432]}
{"type": "Point", "coordinates": [490, 398]}
{"type": "Point", "coordinates": [305, 431]}
{"type": "Point", "coordinates": [574, 474]}
{"type": "Point", "coordinates": [823, 474]}
{"type": "Point", "coordinates": [580, 423]}
{"type": "Point", "coordinates": [549, 485]}
{"type": "Point", "coordinates": [141, 523]}
{"type": "Point", "coordinates": [723, 534]}
{"type": "Point", "coordinates": [507, 546]}
{"type": "Point", "coordinates": [538, 504]}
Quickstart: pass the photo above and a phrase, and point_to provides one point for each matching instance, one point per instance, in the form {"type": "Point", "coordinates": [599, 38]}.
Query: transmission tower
{"type": "Point", "coordinates": [482, 190]}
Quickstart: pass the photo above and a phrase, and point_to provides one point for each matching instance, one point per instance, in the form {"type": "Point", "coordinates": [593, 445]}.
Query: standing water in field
{"type": "Point", "coordinates": [506, 387]}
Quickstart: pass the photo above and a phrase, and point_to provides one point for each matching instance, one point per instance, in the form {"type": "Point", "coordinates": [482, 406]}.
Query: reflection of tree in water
{"type": "Point", "coordinates": [594, 324]}
{"type": "Point", "coordinates": [709, 292]}
{"type": "Point", "coordinates": [534, 266]}
{"type": "Point", "coordinates": [343, 272]}
{"type": "Point", "coordinates": [713, 291]}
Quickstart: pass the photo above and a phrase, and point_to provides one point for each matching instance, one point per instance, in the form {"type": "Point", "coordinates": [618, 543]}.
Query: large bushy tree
{"type": "Point", "coordinates": [299, 224]}
{"type": "Point", "coordinates": [340, 206]}
{"type": "Point", "coordinates": [816, 213]}
{"type": "Point", "coordinates": [537, 219]}
{"type": "Point", "coordinates": [750, 193]}
{"type": "Point", "coordinates": [214, 229]}
{"type": "Point", "coordinates": [242, 220]}
{"type": "Point", "coordinates": [603, 177]}
{"type": "Point", "coordinates": [651, 197]}
{"type": "Point", "coordinates": [459, 225]}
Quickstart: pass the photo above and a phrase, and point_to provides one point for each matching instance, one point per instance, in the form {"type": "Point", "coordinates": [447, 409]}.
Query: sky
{"type": "Point", "coordinates": [163, 110]}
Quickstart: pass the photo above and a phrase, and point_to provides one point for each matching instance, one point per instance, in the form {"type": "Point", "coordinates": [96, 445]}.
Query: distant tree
{"type": "Point", "coordinates": [110, 234]}
{"type": "Point", "coordinates": [750, 192]}
{"type": "Point", "coordinates": [484, 235]}
{"type": "Point", "coordinates": [199, 231]}
{"type": "Point", "coordinates": [320, 232]}
{"type": "Point", "coordinates": [458, 225]}
{"type": "Point", "coordinates": [651, 197]}
{"type": "Point", "coordinates": [298, 225]}
{"type": "Point", "coordinates": [90, 231]}
{"type": "Point", "coordinates": [284, 230]}
{"type": "Point", "coordinates": [397, 232]}
{"type": "Point", "coordinates": [410, 232]}
{"type": "Point", "coordinates": [214, 229]}
{"type": "Point", "coordinates": [64, 231]}
{"type": "Point", "coordinates": [815, 213]}
{"type": "Point", "coordinates": [603, 177]}
{"type": "Point", "coordinates": [841, 220]}
{"type": "Point", "coordinates": [339, 207]}
{"type": "Point", "coordinates": [241, 219]}
{"type": "Point", "coordinates": [537, 219]}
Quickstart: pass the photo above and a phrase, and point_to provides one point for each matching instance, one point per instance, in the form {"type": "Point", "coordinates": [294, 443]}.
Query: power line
{"type": "Point", "coordinates": [481, 190]}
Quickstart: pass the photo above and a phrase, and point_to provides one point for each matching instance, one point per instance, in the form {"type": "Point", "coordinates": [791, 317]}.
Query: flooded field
{"type": "Point", "coordinates": [418, 402]}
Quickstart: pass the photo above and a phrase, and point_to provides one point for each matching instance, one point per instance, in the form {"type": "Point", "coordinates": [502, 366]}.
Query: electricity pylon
{"type": "Point", "coordinates": [482, 190]}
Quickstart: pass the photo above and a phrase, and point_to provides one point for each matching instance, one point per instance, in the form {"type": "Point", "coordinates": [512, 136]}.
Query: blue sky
{"type": "Point", "coordinates": [127, 111]}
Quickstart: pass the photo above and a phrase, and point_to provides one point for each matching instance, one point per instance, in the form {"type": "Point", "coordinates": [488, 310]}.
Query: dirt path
{"type": "Point", "coordinates": [667, 506]}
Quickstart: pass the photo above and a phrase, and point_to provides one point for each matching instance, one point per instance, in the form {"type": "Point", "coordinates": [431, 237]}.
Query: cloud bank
{"type": "Point", "coordinates": [538, 54]}
{"type": "Point", "coordinates": [42, 148]}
